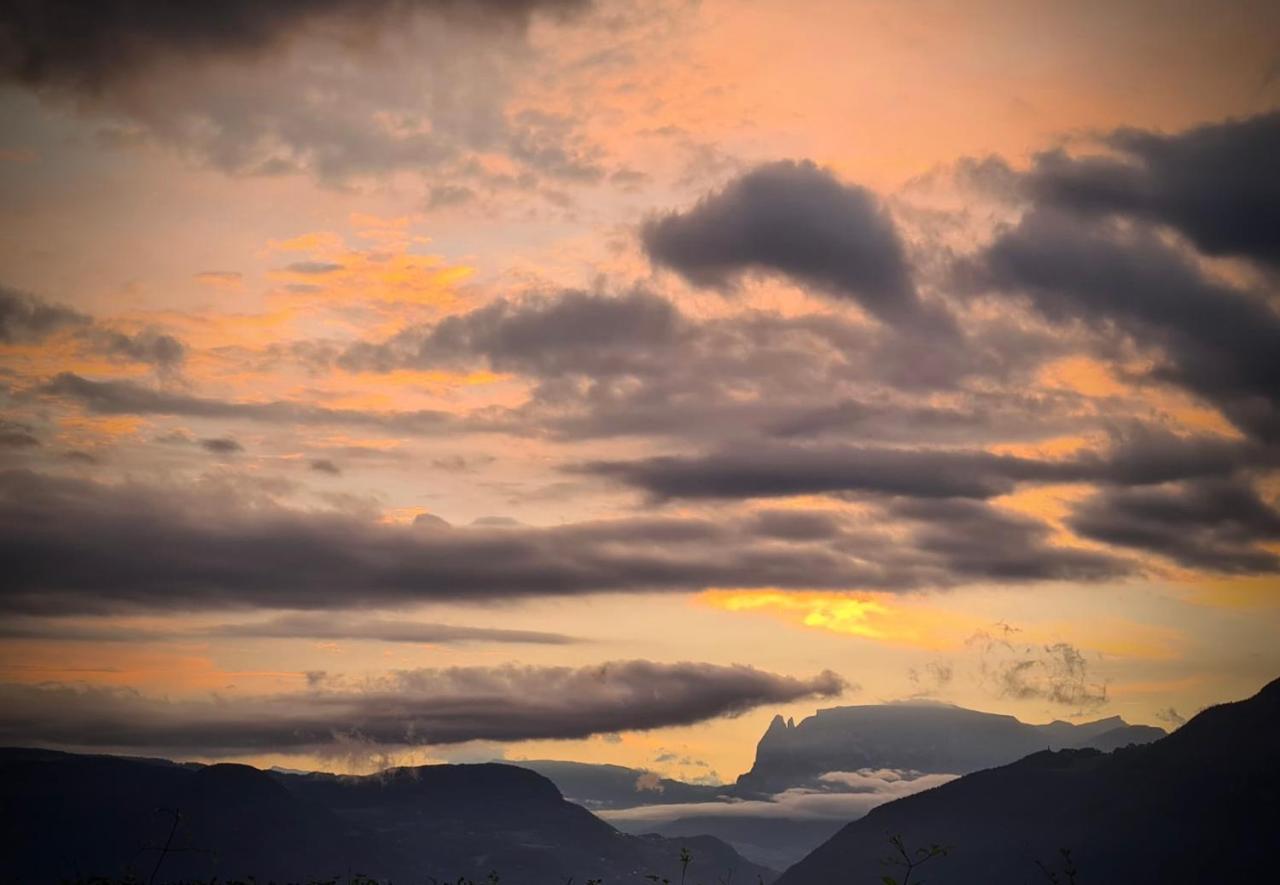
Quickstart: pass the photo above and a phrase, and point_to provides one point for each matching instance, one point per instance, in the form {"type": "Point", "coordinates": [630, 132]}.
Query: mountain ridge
{"type": "Point", "coordinates": [67, 816]}
{"type": "Point", "coordinates": [1196, 806]}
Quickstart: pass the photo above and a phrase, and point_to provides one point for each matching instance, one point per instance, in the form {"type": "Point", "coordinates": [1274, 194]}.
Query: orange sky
{"type": "Point", "coordinates": [332, 283]}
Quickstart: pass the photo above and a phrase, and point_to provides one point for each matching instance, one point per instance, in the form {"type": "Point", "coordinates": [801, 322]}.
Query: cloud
{"type": "Point", "coordinates": [409, 707]}
{"type": "Point", "coordinates": [75, 545]}
{"type": "Point", "coordinates": [931, 678]}
{"type": "Point", "coordinates": [16, 435]}
{"type": "Point", "coordinates": [324, 465]}
{"type": "Point", "coordinates": [633, 363]}
{"type": "Point", "coordinates": [1218, 339]}
{"type": "Point", "coordinates": [313, 268]}
{"type": "Point", "coordinates": [649, 782]}
{"type": "Point", "coordinates": [1056, 673]}
{"type": "Point", "coordinates": [751, 471]}
{"type": "Point", "coordinates": [299, 625]}
{"type": "Point", "coordinates": [25, 318]}
{"type": "Point", "coordinates": [358, 627]}
{"type": "Point", "coordinates": [29, 319]}
{"type": "Point", "coordinates": [1171, 717]}
{"type": "Point", "coordinates": [336, 88]}
{"type": "Point", "coordinates": [796, 220]}
{"type": "Point", "coordinates": [158, 349]}
{"type": "Point", "coordinates": [845, 795]}
{"type": "Point", "coordinates": [1216, 183]}
{"type": "Point", "coordinates": [129, 398]}
{"type": "Point", "coordinates": [1213, 524]}
{"type": "Point", "coordinates": [1137, 455]}
{"type": "Point", "coordinates": [570, 333]}
{"type": "Point", "coordinates": [974, 541]}
{"type": "Point", "coordinates": [64, 43]}
{"type": "Point", "coordinates": [222, 445]}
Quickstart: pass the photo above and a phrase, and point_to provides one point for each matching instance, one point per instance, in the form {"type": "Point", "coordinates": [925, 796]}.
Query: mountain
{"type": "Point", "coordinates": [775, 842]}
{"type": "Point", "coordinates": [69, 816]}
{"type": "Point", "coordinates": [616, 786]}
{"type": "Point", "coordinates": [65, 816]}
{"type": "Point", "coordinates": [923, 737]}
{"type": "Point", "coordinates": [1201, 805]}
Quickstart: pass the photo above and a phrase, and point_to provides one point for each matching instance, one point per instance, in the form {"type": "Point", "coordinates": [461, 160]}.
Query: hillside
{"type": "Point", "coordinates": [1201, 805]}
{"type": "Point", "coordinates": [67, 816]}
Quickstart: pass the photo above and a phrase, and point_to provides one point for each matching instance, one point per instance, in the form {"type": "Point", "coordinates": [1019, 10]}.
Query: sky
{"type": "Point", "coordinates": [397, 381]}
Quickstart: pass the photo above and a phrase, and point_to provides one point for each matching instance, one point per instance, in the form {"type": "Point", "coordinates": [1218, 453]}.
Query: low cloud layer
{"type": "Point", "coordinates": [405, 708]}
{"type": "Point", "coordinates": [846, 795]}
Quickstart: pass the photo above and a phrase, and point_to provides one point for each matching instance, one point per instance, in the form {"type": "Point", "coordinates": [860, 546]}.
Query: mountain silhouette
{"type": "Point", "coordinates": [68, 816]}
{"type": "Point", "coordinates": [927, 737]}
{"type": "Point", "coordinates": [602, 786]}
{"type": "Point", "coordinates": [1201, 805]}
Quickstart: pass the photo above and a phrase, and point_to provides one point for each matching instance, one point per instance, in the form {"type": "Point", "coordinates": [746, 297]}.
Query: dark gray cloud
{"type": "Point", "coordinates": [753, 471]}
{"type": "Point", "coordinates": [28, 319]}
{"type": "Point", "coordinates": [314, 268]}
{"type": "Point", "coordinates": [221, 445]}
{"type": "Point", "coordinates": [1137, 455]}
{"type": "Point", "coordinates": [129, 398]}
{"type": "Point", "coordinates": [300, 625]}
{"type": "Point", "coordinates": [974, 541]}
{"type": "Point", "coordinates": [1214, 524]}
{"type": "Point", "coordinates": [221, 83]}
{"type": "Point", "coordinates": [633, 364]}
{"type": "Point", "coordinates": [797, 220]}
{"type": "Point", "coordinates": [158, 349]}
{"type": "Point", "coordinates": [570, 333]}
{"type": "Point", "coordinates": [411, 707]}
{"type": "Point", "coordinates": [15, 435]}
{"type": "Point", "coordinates": [1217, 184]}
{"type": "Point", "coordinates": [324, 465]}
{"type": "Point", "coordinates": [71, 44]}
{"type": "Point", "coordinates": [76, 546]}
{"type": "Point", "coordinates": [1219, 341]}
{"type": "Point", "coordinates": [25, 318]}
{"type": "Point", "coordinates": [306, 625]}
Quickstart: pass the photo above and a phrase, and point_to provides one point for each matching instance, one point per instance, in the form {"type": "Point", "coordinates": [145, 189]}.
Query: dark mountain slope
{"type": "Point", "coordinates": [66, 816]}
{"type": "Point", "coordinates": [479, 818]}
{"type": "Point", "coordinates": [1202, 805]}
{"type": "Point", "coordinates": [69, 816]}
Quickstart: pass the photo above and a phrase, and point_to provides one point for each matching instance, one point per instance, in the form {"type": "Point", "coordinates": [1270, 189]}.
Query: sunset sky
{"type": "Point", "coordinates": [402, 381]}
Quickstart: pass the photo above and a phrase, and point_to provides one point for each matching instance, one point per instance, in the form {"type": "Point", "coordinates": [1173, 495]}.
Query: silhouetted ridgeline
{"type": "Point", "coordinates": [66, 816]}
{"type": "Point", "coordinates": [925, 737]}
{"type": "Point", "coordinates": [1199, 806]}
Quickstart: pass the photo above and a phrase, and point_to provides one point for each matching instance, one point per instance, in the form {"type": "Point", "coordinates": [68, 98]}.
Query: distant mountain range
{"type": "Point", "coordinates": [66, 816]}
{"type": "Point", "coordinates": [768, 815]}
{"type": "Point", "coordinates": [1201, 805]}
{"type": "Point", "coordinates": [920, 736]}
{"type": "Point", "coordinates": [600, 787]}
